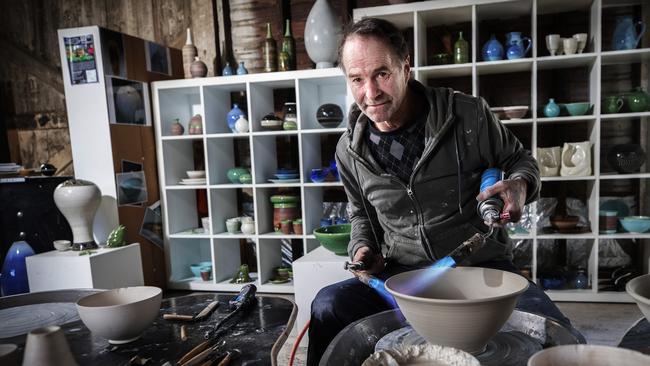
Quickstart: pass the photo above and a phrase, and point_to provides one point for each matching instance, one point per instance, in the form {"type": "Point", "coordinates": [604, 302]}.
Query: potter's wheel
{"type": "Point", "coordinates": [21, 320]}
{"type": "Point", "coordinates": [523, 334]}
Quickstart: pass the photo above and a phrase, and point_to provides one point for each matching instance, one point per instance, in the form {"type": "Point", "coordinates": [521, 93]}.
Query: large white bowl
{"type": "Point", "coordinates": [461, 307]}
{"type": "Point", "coordinates": [639, 289]}
{"type": "Point", "coordinates": [588, 355]}
{"type": "Point", "coordinates": [120, 315]}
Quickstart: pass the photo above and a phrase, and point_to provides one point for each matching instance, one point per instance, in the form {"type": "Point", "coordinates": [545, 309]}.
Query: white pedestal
{"type": "Point", "coordinates": [105, 269]}
{"type": "Point", "coordinates": [312, 272]}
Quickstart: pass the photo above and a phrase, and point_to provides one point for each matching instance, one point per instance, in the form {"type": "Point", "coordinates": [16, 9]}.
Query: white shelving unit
{"type": "Point", "coordinates": [534, 18]}
{"type": "Point", "coordinates": [211, 98]}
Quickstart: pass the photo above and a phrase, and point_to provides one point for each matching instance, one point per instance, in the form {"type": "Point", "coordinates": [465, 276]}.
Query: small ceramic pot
{"type": "Point", "coordinates": [232, 225]}
{"type": "Point", "coordinates": [283, 211]}
{"type": "Point", "coordinates": [241, 125]}
{"type": "Point", "coordinates": [576, 159]}
{"type": "Point", "coordinates": [205, 274]}
{"type": "Point", "coordinates": [198, 68]}
{"type": "Point", "coordinates": [286, 226]}
{"type": "Point", "coordinates": [234, 174]}
{"type": "Point", "coordinates": [318, 175]}
{"type": "Point", "coordinates": [329, 115]}
{"type": "Point", "coordinates": [245, 178]}
{"type": "Point", "coordinates": [176, 128]}
{"type": "Point", "coordinates": [297, 226]}
{"type": "Point", "coordinates": [248, 227]}
{"type": "Point", "coordinates": [607, 221]}
{"type": "Point", "coordinates": [612, 104]}
{"type": "Point", "coordinates": [196, 125]}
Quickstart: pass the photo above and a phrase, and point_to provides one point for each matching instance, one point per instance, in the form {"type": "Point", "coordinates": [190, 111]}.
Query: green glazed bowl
{"type": "Point", "coordinates": [577, 109]}
{"type": "Point", "coordinates": [334, 238]}
{"type": "Point", "coordinates": [279, 198]}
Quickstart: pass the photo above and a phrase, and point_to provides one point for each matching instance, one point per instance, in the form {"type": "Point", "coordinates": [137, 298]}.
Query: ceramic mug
{"type": "Point", "coordinates": [569, 46]}
{"type": "Point", "coordinates": [232, 225]}
{"type": "Point", "coordinates": [205, 222]}
{"type": "Point", "coordinates": [582, 41]}
{"type": "Point", "coordinates": [607, 221]}
{"type": "Point", "coordinates": [612, 104]}
{"type": "Point", "coordinates": [553, 44]}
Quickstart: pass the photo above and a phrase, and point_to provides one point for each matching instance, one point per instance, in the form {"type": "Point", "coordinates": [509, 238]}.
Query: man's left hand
{"type": "Point", "coordinates": [513, 194]}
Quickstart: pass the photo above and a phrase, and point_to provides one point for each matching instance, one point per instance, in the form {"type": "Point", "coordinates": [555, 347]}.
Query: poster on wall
{"type": "Point", "coordinates": [151, 227]}
{"type": "Point", "coordinates": [80, 54]}
{"type": "Point", "coordinates": [131, 188]}
{"type": "Point", "coordinates": [128, 101]}
{"type": "Point", "coordinates": [158, 58]}
{"type": "Point", "coordinates": [113, 57]}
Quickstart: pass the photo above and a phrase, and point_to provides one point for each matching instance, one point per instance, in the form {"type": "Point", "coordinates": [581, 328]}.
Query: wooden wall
{"type": "Point", "coordinates": [32, 106]}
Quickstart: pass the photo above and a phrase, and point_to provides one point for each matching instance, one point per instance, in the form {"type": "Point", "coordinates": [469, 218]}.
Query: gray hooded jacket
{"type": "Point", "coordinates": [424, 219]}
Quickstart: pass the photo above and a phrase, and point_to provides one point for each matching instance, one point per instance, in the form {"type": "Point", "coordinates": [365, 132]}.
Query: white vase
{"type": "Point", "coordinates": [548, 159]}
{"type": "Point", "coordinates": [241, 125]}
{"type": "Point", "coordinates": [248, 227]}
{"type": "Point", "coordinates": [78, 201]}
{"type": "Point", "coordinates": [47, 346]}
{"type": "Point", "coordinates": [576, 159]}
{"type": "Point", "coordinates": [322, 34]}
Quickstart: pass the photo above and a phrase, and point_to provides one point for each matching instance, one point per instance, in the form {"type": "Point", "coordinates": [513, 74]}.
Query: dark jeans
{"type": "Point", "coordinates": [342, 303]}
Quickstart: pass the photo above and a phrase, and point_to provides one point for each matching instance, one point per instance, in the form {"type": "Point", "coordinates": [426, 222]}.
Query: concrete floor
{"type": "Point", "coordinates": [599, 323]}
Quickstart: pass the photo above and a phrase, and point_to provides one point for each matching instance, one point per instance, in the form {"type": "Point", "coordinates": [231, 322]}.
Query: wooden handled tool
{"type": "Point", "coordinates": [186, 318]}
{"type": "Point", "coordinates": [189, 318]}
{"type": "Point", "coordinates": [207, 310]}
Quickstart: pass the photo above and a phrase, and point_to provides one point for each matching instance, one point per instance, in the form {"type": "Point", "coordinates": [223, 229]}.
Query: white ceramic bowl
{"type": "Point", "coordinates": [588, 355]}
{"type": "Point", "coordinates": [62, 245]}
{"type": "Point", "coordinates": [120, 315]}
{"type": "Point", "coordinates": [639, 289]}
{"type": "Point", "coordinates": [193, 174]}
{"type": "Point", "coordinates": [461, 307]}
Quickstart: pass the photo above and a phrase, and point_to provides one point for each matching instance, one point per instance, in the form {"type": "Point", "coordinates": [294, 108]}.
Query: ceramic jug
{"type": "Point", "coordinates": [625, 37]}
{"type": "Point", "coordinates": [612, 104]}
{"type": "Point", "coordinates": [227, 71]}
{"type": "Point", "coordinates": [637, 101]}
{"type": "Point", "coordinates": [242, 70]}
{"type": "Point", "coordinates": [551, 109]}
{"type": "Point", "coordinates": [233, 116]}
{"type": "Point", "coordinates": [492, 50]}
{"type": "Point", "coordinates": [515, 45]}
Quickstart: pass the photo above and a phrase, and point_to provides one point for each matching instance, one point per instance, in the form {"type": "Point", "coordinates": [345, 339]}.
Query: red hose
{"type": "Point", "coordinates": [295, 345]}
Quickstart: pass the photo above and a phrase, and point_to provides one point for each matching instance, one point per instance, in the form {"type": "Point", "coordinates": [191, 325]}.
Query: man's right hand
{"type": "Point", "coordinates": [374, 262]}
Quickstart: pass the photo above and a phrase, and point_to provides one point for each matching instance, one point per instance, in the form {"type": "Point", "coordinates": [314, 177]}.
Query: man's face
{"type": "Point", "coordinates": [378, 80]}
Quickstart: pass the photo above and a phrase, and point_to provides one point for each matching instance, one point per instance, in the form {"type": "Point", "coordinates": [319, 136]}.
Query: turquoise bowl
{"type": "Point", "coordinates": [636, 224]}
{"type": "Point", "coordinates": [196, 267]}
{"type": "Point", "coordinates": [334, 238]}
{"type": "Point", "coordinates": [577, 109]}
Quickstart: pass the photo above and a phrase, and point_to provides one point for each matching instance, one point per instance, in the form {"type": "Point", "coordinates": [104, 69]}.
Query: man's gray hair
{"type": "Point", "coordinates": [380, 29]}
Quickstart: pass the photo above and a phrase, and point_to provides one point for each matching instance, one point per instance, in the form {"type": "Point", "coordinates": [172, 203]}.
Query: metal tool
{"type": "Point", "coordinates": [241, 302]}
{"type": "Point", "coordinates": [490, 210]}
{"type": "Point", "coordinates": [468, 247]}
{"type": "Point", "coordinates": [354, 266]}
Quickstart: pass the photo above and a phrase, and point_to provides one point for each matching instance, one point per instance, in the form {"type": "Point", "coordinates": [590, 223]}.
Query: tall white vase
{"type": "Point", "coordinates": [78, 201]}
{"type": "Point", "coordinates": [322, 34]}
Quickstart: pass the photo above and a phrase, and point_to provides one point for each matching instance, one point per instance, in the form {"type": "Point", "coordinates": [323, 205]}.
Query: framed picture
{"type": "Point", "coordinates": [158, 58]}
{"type": "Point", "coordinates": [113, 57]}
{"type": "Point", "coordinates": [151, 227]}
{"type": "Point", "coordinates": [80, 53]}
{"type": "Point", "coordinates": [131, 188]}
{"type": "Point", "coordinates": [128, 101]}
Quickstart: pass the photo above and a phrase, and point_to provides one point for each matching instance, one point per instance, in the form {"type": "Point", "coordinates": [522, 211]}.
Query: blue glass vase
{"type": "Point", "coordinates": [14, 271]}
{"type": "Point", "coordinates": [241, 70]}
{"type": "Point", "coordinates": [625, 36]}
{"type": "Point", "coordinates": [492, 50]}
{"type": "Point", "coordinates": [227, 71]}
{"type": "Point", "coordinates": [551, 109]}
{"type": "Point", "coordinates": [233, 116]}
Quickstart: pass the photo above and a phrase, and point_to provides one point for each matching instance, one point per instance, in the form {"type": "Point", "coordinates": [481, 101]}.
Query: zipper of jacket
{"type": "Point", "coordinates": [409, 192]}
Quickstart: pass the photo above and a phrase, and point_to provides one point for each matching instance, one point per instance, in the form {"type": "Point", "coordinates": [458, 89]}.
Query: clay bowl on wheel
{"type": "Point", "coordinates": [588, 355]}
{"type": "Point", "coordinates": [460, 307]}
{"type": "Point", "coordinates": [639, 289]}
{"type": "Point", "coordinates": [122, 314]}
{"type": "Point", "coordinates": [564, 223]}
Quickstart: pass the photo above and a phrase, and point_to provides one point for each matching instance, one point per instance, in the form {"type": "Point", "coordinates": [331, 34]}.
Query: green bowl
{"type": "Point", "coordinates": [334, 238]}
{"type": "Point", "coordinates": [280, 198]}
{"type": "Point", "coordinates": [577, 109]}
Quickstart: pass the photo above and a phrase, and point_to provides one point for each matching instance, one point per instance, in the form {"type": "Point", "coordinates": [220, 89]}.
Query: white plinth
{"type": "Point", "coordinates": [312, 272]}
{"type": "Point", "coordinates": [104, 269]}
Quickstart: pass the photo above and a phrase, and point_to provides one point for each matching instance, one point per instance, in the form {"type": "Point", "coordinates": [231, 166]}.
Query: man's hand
{"type": "Point", "coordinates": [513, 194]}
{"type": "Point", "coordinates": [374, 262]}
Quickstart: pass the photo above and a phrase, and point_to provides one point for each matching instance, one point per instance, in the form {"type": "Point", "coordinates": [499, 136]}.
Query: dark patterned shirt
{"type": "Point", "coordinates": [398, 151]}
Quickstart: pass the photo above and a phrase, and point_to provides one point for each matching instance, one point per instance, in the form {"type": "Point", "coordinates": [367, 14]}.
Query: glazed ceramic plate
{"type": "Point", "coordinates": [287, 176]}
{"type": "Point", "coordinates": [297, 180]}
{"type": "Point", "coordinates": [192, 182]}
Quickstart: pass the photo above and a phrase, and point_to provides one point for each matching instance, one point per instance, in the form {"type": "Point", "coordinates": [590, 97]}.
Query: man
{"type": "Point", "coordinates": [411, 164]}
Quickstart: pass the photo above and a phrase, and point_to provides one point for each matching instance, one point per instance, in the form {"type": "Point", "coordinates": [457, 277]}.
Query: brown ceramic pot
{"type": "Point", "coordinates": [198, 68]}
{"type": "Point", "coordinates": [283, 211]}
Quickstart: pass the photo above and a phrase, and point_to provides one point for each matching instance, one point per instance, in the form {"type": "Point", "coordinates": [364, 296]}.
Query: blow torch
{"type": "Point", "coordinates": [490, 210]}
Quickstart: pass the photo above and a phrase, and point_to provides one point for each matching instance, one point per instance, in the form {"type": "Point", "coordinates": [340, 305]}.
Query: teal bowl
{"type": "Point", "coordinates": [334, 238]}
{"type": "Point", "coordinates": [196, 267]}
{"type": "Point", "coordinates": [636, 224]}
{"type": "Point", "coordinates": [577, 109]}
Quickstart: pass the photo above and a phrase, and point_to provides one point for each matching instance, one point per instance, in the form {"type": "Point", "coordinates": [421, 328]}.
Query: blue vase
{"type": "Point", "coordinates": [227, 70]}
{"type": "Point", "coordinates": [318, 175]}
{"type": "Point", "coordinates": [582, 282]}
{"type": "Point", "coordinates": [241, 70]}
{"type": "Point", "coordinates": [515, 45]}
{"type": "Point", "coordinates": [551, 109]}
{"type": "Point", "coordinates": [492, 50]}
{"type": "Point", "coordinates": [233, 116]}
{"type": "Point", "coordinates": [14, 271]}
{"type": "Point", "coordinates": [625, 37]}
